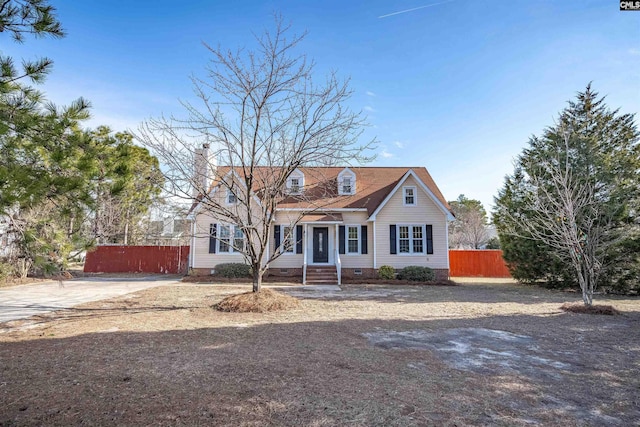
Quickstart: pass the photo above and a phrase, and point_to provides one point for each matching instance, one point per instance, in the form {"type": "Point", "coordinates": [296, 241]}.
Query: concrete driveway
{"type": "Point", "coordinates": [24, 301]}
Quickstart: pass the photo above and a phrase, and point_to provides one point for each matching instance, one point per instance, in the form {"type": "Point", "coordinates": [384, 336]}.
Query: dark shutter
{"type": "Point", "coordinates": [212, 238]}
{"type": "Point", "coordinates": [299, 237]}
{"type": "Point", "coordinates": [392, 239]}
{"type": "Point", "coordinates": [363, 239]}
{"type": "Point", "coordinates": [341, 239]}
{"type": "Point", "coordinates": [429, 229]}
{"type": "Point", "coordinates": [276, 236]}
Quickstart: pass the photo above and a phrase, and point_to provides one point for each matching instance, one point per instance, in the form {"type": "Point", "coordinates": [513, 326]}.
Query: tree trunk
{"type": "Point", "coordinates": [257, 279]}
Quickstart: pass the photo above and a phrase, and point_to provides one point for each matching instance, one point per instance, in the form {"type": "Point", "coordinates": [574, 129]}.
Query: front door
{"type": "Point", "coordinates": [321, 244]}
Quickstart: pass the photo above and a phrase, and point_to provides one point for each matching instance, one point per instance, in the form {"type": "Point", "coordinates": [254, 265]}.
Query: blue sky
{"type": "Point", "coordinates": [456, 86]}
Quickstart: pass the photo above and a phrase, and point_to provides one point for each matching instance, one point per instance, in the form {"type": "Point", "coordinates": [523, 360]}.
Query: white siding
{"type": "Point", "coordinates": [425, 212]}
{"type": "Point", "coordinates": [353, 260]}
{"type": "Point", "coordinates": [348, 260]}
{"type": "Point", "coordinates": [200, 247]}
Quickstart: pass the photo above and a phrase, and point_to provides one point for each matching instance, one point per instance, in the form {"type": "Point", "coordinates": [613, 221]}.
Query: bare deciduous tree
{"type": "Point", "coordinates": [261, 116]}
{"type": "Point", "coordinates": [568, 214]}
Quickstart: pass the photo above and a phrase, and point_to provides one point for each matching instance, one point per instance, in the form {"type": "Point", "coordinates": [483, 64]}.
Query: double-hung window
{"type": "Point", "coordinates": [411, 239]}
{"type": "Point", "coordinates": [295, 185]}
{"type": "Point", "coordinates": [346, 185]}
{"type": "Point", "coordinates": [224, 238]}
{"type": "Point", "coordinates": [230, 238]}
{"type": "Point", "coordinates": [353, 241]}
{"type": "Point", "coordinates": [409, 196]}
{"type": "Point", "coordinates": [287, 239]}
{"type": "Point", "coordinates": [238, 240]}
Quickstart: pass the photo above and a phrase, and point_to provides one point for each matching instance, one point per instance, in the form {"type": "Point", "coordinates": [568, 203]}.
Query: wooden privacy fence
{"type": "Point", "coordinates": [477, 263]}
{"type": "Point", "coordinates": [137, 259]}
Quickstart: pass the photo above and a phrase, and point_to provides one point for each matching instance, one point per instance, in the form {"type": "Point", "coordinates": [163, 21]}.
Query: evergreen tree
{"type": "Point", "coordinates": [469, 230]}
{"type": "Point", "coordinates": [581, 178]}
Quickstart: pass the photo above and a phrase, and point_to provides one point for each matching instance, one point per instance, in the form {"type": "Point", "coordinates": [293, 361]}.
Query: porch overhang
{"type": "Point", "coordinates": [322, 218]}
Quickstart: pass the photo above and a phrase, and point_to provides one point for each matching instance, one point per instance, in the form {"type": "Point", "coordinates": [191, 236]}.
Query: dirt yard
{"type": "Point", "coordinates": [474, 354]}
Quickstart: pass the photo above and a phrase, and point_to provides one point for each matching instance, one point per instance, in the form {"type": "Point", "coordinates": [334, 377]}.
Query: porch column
{"type": "Point", "coordinates": [375, 246]}
{"type": "Point", "coordinates": [336, 244]}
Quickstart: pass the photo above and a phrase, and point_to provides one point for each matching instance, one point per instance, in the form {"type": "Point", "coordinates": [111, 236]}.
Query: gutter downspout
{"type": "Point", "coordinates": [304, 254]}
{"type": "Point", "coordinates": [192, 249]}
{"type": "Point", "coordinates": [375, 246]}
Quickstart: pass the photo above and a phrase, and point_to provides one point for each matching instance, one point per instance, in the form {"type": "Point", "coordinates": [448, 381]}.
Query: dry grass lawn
{"type": "Point", "coordinates": [474, 354]}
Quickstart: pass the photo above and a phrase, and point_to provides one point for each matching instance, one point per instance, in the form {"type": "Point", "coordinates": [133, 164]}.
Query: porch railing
{"type": "Point", "coordinates": [338, 267]}
{"type": "Point", "coordinates": [304, 260]}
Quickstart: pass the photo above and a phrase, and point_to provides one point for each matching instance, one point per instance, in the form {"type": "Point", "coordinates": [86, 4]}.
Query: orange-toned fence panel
{"type": "Point", "coordinates": [477, 263]}
{"type": "Point", "coordinates": [137, 259]}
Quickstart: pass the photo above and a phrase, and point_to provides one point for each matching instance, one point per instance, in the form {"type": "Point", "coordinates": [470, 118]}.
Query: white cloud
{"type": "Point", "coordinates": [369, 93]}
{"type": "Point", "coordinates": [635, 52]}
{"type": "Point", "coordinates": [386, 154]}
{"type": "Point", "coordinates": [398, 144]}
{"type": "Point", "coordinates": [369, 109]}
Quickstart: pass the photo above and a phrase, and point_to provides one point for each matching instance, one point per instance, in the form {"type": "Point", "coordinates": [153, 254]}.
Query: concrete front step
{"type": "Point", "coordinates": [322, 275]}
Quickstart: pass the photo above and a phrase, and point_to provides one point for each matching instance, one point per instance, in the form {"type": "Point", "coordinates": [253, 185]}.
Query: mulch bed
{"type": "Point", "coordinates": [257, 302]}
{"type": "Point", "coordinates": [580, 308]}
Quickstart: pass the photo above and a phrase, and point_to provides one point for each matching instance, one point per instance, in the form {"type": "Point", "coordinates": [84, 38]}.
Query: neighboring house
{"type": "Point", "coordinates": [341, 221]}
{"type": "Point", "coordinates": [168, 232]}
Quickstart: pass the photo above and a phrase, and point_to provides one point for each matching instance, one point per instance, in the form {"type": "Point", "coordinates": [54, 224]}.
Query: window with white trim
{"type": "Point", "coordinates": [287, 239]}
{"type": "Point", "coordinates": [409, 196]}
{"type": "Point", "coordinates": [238, 240]}
{"type": "Point", "coordinates": [295, 185]}
{"type": "Point", "coordinates": [225, 236]}
{"type": "Point", "coordinates": [411, 239]}
{"type": "Point", "coordinates": [353, 241]}
{"type": "Point", "coordinates": [295, 182]}
{"type": "Point", "coordinates": [346, 182]}
{"type": "Point", "coordinates": [232, 199]}
{"type": "Point", "coordinates": [346, 185]}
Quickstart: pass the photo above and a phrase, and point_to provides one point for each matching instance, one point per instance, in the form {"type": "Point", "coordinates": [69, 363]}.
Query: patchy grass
{"type": "Point", "coordinates": [257, 302]}
{"type": "Point", "coordinates": [473, 354]}
{"type": "Point", "coordinates": [577, 307]}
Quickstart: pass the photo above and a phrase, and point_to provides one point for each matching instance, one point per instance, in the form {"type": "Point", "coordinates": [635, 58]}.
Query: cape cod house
{"type": "Point", "coordinates": [336, 222]}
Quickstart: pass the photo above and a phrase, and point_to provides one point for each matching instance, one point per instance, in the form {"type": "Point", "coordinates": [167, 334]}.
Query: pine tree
{"type": "Point", "coordinates": [572, 203]}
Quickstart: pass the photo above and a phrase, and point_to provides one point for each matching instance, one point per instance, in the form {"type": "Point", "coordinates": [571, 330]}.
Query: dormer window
{"type": "Point", "coordinates": [295, 183]}
{"type": "Point", "coordinates": [346, 182]}
{"type": "Point", "coordinates": [346, 185]}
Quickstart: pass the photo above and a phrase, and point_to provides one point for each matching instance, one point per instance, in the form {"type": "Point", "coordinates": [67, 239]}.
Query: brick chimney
{"type": "Point", "coordinates": [204, 170]}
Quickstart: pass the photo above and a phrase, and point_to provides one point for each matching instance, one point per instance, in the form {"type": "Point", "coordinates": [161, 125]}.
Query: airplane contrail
{"type": "Point", "coordinates": [415, 8]}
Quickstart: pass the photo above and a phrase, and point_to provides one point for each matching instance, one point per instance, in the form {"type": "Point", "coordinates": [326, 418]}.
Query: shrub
{"type": "Point", "coordinates": [232, 270]}
{"type": "Point", "coordinates": [386, 272]}
{"type": "Point", "coordinates": [417, 274]}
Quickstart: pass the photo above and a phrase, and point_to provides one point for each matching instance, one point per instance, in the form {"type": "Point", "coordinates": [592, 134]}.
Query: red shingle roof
{"type": "Point", "coordinates": [373, 184]}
